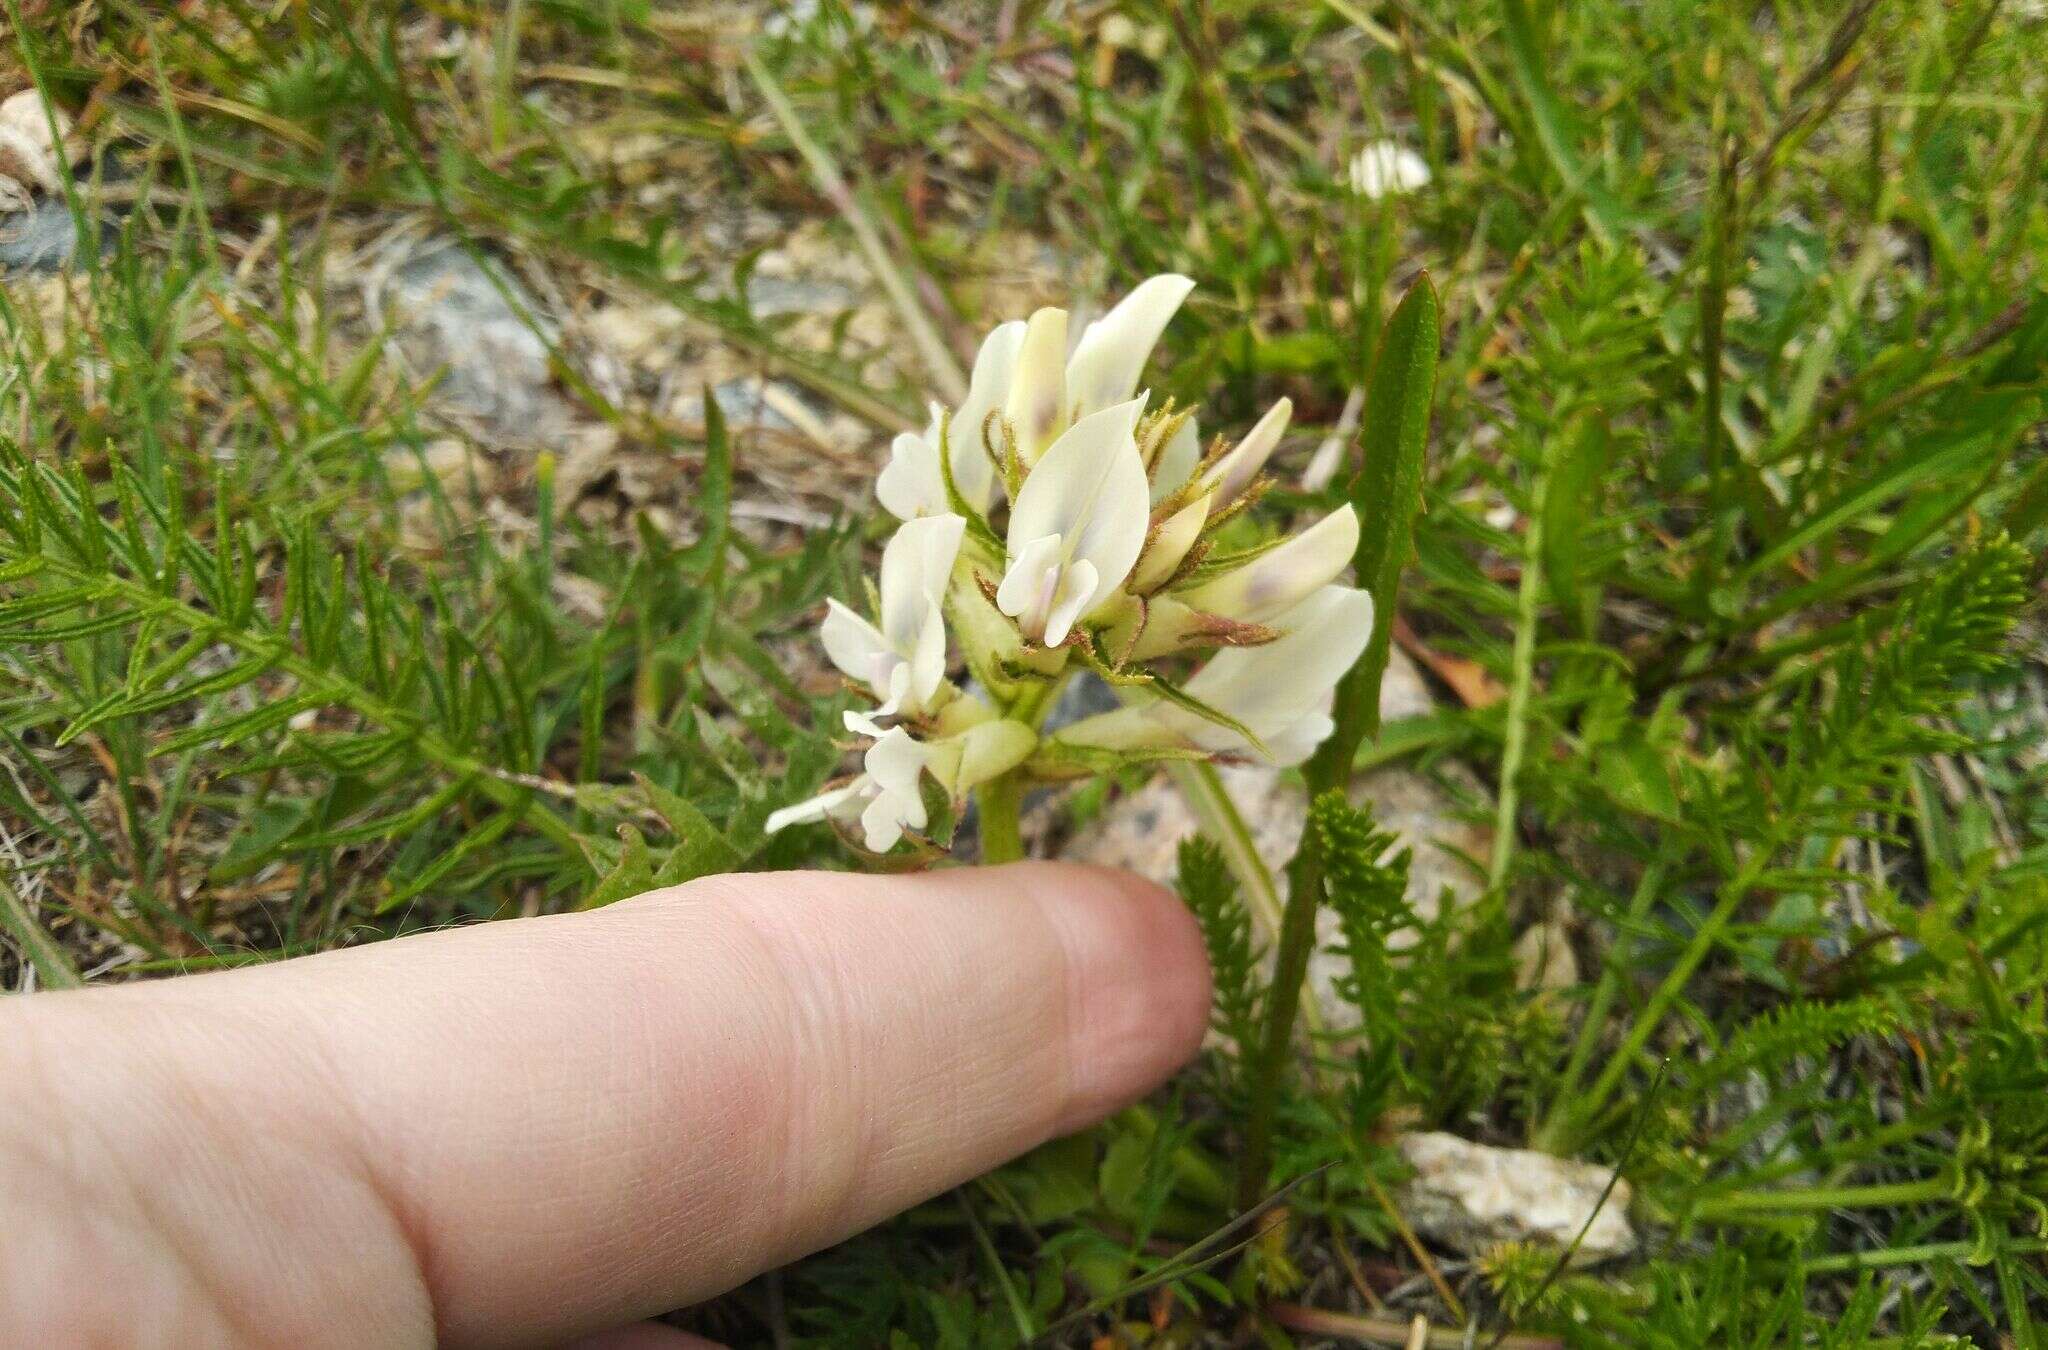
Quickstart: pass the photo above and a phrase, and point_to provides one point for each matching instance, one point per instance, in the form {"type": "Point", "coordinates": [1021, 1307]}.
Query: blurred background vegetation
{"type": "Point", "coordinates": [427, 433]}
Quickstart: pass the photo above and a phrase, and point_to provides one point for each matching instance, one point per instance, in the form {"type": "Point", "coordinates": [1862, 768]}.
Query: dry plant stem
{"type": "Point", "coordinates": [1386, 1330]}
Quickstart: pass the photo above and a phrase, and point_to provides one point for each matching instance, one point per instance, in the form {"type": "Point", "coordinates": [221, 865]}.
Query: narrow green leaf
{"type": "Point", "coordinates": [52, 963]}
{"type": "Point", "coordinates": [1387, 494]}
{"type": "Point", "coordinates": [705, 849]}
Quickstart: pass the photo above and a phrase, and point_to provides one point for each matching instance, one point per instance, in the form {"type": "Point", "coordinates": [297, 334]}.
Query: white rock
{"type": "Point", "coordinates": [478, 328]}
{"type": "Point", "coordinates": [1473, 1197]}
{"type": "Point", "coordinates": [29, 163]}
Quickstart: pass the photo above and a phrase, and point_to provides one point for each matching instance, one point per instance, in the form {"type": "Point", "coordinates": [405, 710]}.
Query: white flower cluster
{"type": "Point", "coordinates": [1054, 522]}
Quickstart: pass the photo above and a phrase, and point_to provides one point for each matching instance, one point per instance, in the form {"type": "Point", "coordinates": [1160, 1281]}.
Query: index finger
{"type": "Point", "coordinates": [548, 1126]}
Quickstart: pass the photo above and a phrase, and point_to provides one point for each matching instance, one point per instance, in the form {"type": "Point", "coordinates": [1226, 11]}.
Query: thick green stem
{"type": "Point", "coordinates": [1283, 1002]}
{"type": "Point", "coordinates": [1001, 802]}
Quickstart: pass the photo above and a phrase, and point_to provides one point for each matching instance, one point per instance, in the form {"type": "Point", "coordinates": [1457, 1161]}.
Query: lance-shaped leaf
{"type": "Point", "coordinates": [1387, 491]}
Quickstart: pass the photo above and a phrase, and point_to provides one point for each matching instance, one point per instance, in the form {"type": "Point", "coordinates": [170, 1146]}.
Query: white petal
{"type": "Point", "coordinates": [895, 760]}
{"type": "Point", "coordinates": [909, 485]}
{"type": "Point", "coordinates": [1169, 546]}
{"type": "Point", "coordinates": [916, 563]}
{"type": "Point", "coordinates": [1176, 461]}
{"type": "Point", "coordinates": [857, 647]}
{"type": "Point", "coordinates": [1077, 588]}
{"type": "Point", "coordinates": [833, 802]}
{"type": "Point", "coordinates": [1236, 470]}
{"type": "Point", "coordinates": [1299, 739]}
{"type": "Point", "coordinates": [1387, 168]}
{"type": "Point", "coordinates": [1113, 350]}
{"type": "Point", "coordinates": [1281, 578]}
{"type": "Point", "coordinates": [1269, 687]}
{"type": "Point", "coordinates": [1281, 691]}
{"type": "Point", "coordinates": [995, 366]}
{"type": "Point", "coordinates": [1090, 490]}
{"type": "Point", "coordinates": [1037, 404]}
{"type": "Point", "coordinates": [882, 824]}
{"type": "Point", "coordinates": [1028, 586]}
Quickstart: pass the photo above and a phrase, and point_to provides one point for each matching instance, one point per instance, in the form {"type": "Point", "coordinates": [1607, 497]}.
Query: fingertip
{"type": "Point", "coordinates": [1138, 982]}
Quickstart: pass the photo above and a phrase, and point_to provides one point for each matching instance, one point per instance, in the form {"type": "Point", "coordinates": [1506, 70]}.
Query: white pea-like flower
{"type": "Point", "coordinates": [1057, 520]}
{"type": "Point", "coordinates": [887, 796]}
{"type": "Point", "coordinates": [1077, 525]}
{"type": "Point", "coordinates": [1387, 169]}
{"type": "Point", "coordinates": [1281, 691]}
{"type": "Point", "coordinates": [902, 662]}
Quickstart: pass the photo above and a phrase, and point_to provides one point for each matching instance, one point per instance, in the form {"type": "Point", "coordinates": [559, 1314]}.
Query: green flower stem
{"type": "Point", "coordinates": [1000, 801]}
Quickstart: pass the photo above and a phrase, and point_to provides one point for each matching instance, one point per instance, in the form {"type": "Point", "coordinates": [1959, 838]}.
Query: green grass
{"type": "Point", "coordinates": [1736, 482]}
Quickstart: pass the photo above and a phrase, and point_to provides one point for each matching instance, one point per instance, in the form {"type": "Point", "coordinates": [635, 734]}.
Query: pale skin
{"type": "Point", "coordinates": [542, 1131]}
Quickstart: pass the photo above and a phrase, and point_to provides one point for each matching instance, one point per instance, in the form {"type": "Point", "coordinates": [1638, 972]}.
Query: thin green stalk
{"type": "Point", "coordinates": [1917, 1255]}
{"type": "Point", "coordinates": [1549, 1136]}
{"type": "Point", "coordinates": [1652, 1015]}
{"type": "Point", "coordinates": [939, 361]}
{"type": "Point", "coordinates": [1881, 1195]}
{"type": "Point", "coordinates": [1516, 733]}
{"type": "Point", "coordinates": [1283, 1003]}
{"type": "Point", "coordinates": [1001, 799]}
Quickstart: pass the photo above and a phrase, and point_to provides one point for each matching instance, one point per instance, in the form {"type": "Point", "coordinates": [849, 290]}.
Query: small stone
{"type": "Point", "coordinates": [457, 317]}
{"type": "Point", "coordinates": [30, 165]}
{"type": "Point", "coordinates": [42, 238]}
{"type": "Point", "coordinates": [1474, 1197]}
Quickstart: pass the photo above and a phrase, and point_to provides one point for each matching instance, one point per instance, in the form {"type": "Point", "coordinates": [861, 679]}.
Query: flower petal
{"type": "Point", "coordinates": [1281, 578]}
{"type": "Point", "coordinates": [1090, 490]}
{"type": "Point", "coordinates": [909, 485]}
{"type": "Point", "coordinates": [995, 366]}
{"type": "Point", "coordinates": [1029, 584]}
{"type": "Point", "coordinates": [1269, 687]}
{"type": "Point", "coordinates": [857, 647]}
{"type": "Point", "coordinates": [1236, 470]}
{"type": "Point", "coordinates": [1168, 546]}
{"type": "Point", "coordinates": [1113, 350]}
{"type": "Point", "coordinates": [1281, 692]}
{"type": "Point", "coordinates": [1036, 408]}
{"type": "Point", "coordinates": [832, 802]}
{"type": "Point", "coordinates": [916, 563]}
{"type": "Point", "coordinates": [1071, 598]}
